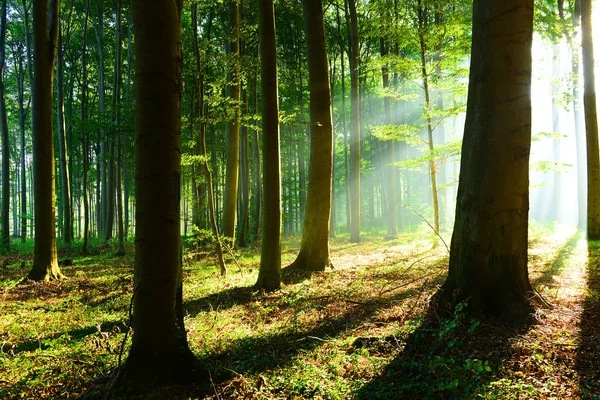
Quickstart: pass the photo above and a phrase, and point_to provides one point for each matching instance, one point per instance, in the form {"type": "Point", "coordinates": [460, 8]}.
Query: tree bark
{"type": "Point", "coordinates": [488, 255]}
{"type": "Point", "coordinates": [591, 123]}
{"type": "Point", "coordinates": [269, 274]}
{"type": "Point", "coordinates": [84, 137]}
{"type": "Point", "coordinates": [159, 353]}
{"type": "Point", "coordinates": [314, 248]}
{"type": "Point", "coordinates": [46, 20]}
{"type": "Point", "coordinates": [62, 146]}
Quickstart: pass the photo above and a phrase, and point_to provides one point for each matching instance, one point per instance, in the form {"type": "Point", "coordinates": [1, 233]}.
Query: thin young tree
{"type": "Point", "coordinates": [488, 255]}
{"type": "Point", "coordinates": [84, 137]}
{"type": "Point", "coordinates": [591, 123]}
{"type": "Point", "coordinates": [269, 274]}
{"type": "Point", "coordinates": [354, 127]}
{"type": "Point", "coordinates": [46, 20]}
{"type": "Point", "coordinates": [314, 249]}
{"type": "Point", "coordinates": [4, 212]}
{"type": "Point", "coordinates": [159, 354]}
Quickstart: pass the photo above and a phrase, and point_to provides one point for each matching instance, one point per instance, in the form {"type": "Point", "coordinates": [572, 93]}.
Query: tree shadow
{"type": "Point", "coordinates": [223, 300]}
{"type": "Point", "coordinates": [562, 257]}
{"type": "Point", "coordinates": [587, 361]}
{"type": "Point", "coordinates": [446, 356]}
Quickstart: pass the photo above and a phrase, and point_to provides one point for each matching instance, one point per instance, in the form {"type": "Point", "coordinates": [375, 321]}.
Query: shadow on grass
{"type": "Point", "coordinates": [74, 335]}
{"type": "Point", "coordinates": [587, 361]}
{"type": "Point", "coordinates": [454, 356]}
{"type": "Point", "coordinates": [562, 257]}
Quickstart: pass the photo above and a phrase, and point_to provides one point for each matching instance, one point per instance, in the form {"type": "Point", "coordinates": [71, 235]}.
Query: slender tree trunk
{"type": "Point", "coordinates": [4, 212]}
{"type": "Point", "coordinates": [354, 128]}
{"type": "Point", "coordinates": [244, 176]}
{"type": "Point", "coordinates": [314, 248]}
{"type": "Point", "coordinates": [101, 209]}
{"type": "Point", "coordinates": [159, 353]}
{"type": "Point", "coordinates": [22, 128]}
{"type": "Point", "coordinates": [46, 20]}
{"type": "Point", "coordinates": [344, 128]}
{"type": "Point", "coordinates": [591, 123]}
{"type": "Point", "coordinates": [202, 143]}
{"type": "Point", "coordinates": [256, 157]}
{"type": "Point", "coordinates": [62, 146]}
{"type": "Point", "coordinates": [390, 157]}
{"type": "Point", "coordinates": [233, 129]}
{"type": "Point", "coordinates": [126, 144]}
{"type": "Point", "coordinates": [84, 137]}
{"type": "Point", "coordinates": [428, 110]}
{"type": "Point", "coordinates": [488, 255]}
{"type": "Point", "coordinates": [118, 134]}
{"type": "Point", "coordinates": [269, 274]}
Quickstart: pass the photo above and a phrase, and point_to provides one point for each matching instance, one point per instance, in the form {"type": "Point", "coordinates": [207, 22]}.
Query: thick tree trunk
{"type": "Point", "coordinates": [159, 353]}
{"type": "Point", "coordinates": [591, 123]}
{"type": "Point", "coordinates": [354, 128]}
{"type": "Point", "coordinates": [4, 212]}
{"type": "Point", "coordinates": [233, 129]}
{"type": "Point", "coordinates": [45, 41]}
{"type": "Point", "coordinates": [488, 255]}
{"type": "Point", "coordinates": [314, 248]}
{"type": "Point", "coordinates": [269, 274]}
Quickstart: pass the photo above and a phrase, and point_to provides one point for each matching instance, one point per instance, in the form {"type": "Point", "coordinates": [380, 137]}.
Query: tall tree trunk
{"type": "Point", "coordinates": [314, 248]}
{"type": "Point", "coordinates": [126, 145]}
{"type": "Point", "coordinates": [591, 123]}
{"type": "Point", "coordinates": [84, 137]}
{"type": "Point", "coordinates": [46, 20]}
{"type": "Point", "coordinates": [4, 212]}
{"type": "Point", "coordinates": [22, 127]}
{"type": "Point", "coordinates": [101, 157]}
{"type": "Point", "coordinates": [118, 134]}
{"type": "Point", "coordinates": [344, 128]}
{"type": "Point", "coordinates": [354, 128]}
{"type": "Point", "coordinates": [159, 353]}
{"type": "Point", "coordinates": [269, 274]}
{"type": "Point", "coordinates": [62, 146]}
{"type": "Point", "coordinates": [390, 157]}
{"type": "Point", "coordinates": [233, 129]}
{"type": "Point", "coordinates": [202, 144]}
{"type": "Point", "coordinates": [244, 176]}
{"type": "Point", "coordinates": [428, 118]}
{"type": "Point", "coordinates": [256, 158]}
{"type": "Point", "coordinates": [488, 255]}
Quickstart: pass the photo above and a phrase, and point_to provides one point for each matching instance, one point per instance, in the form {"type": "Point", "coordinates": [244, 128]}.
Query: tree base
{"type": "Point", "coordinates": [310, 264]}
{"type": "Point", "coordinates": [144, 370]}
{"type": "Point", "coordinates": [48, 273]}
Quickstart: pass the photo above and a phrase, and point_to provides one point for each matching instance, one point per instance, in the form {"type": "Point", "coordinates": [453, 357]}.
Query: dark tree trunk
{"type": "Point", "coordinates": [62, 146]}
{"type": "Point", "coordinates": [159, 353]}
{"type": "Point", "coordinates": [354, 128]}
{"type": "Point", "coordinates": [488, 255]}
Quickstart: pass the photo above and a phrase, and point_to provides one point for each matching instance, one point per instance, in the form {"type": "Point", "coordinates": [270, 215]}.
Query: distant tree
{"type": "Point", "coordinates": [46, 20]}
{"type": "Point", "coordinates": [488, 255]}
{"type": "Point", "coordinates": [354, 126]}
{"type": "Point", "coordinates": [591, 123]}
{"type": "Point", "coordinates": [269, 274]}
{"type": "Point", "coordinates": [159, 353]}
{"type": "Point", "coordinates": [4, 212]}
{"type": "Point", "coordinates": [314, 250]}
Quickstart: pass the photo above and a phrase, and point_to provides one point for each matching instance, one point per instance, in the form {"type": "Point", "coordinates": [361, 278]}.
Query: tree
{"type": "Point", "coordinates": [84, 137]}
{"type": "Point", "coordinates": [159, 353]}
{"type": "Point", "coordinates": [46, 20]}
{"type": "Point", "coordinates": [354, 127]}
{"type": "Point", "coordinates": [314, 250]}
{"type": "Point", "coordinates": [4, 212]}
{"type": "Point", "coordinates": [233, 129]}
{"type": "Point", "coordinates": [591, 123]}
{"type": "Point", "coordinates": [488, 255]}
{"type": "Point", "coordinates": [269, 274]}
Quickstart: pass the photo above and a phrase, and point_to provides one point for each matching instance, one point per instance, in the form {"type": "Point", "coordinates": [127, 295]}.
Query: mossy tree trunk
{"type": "Point", "coordinates": [159, 353]}
{"type": "Point", "coordinates": [46, 20]}
{"type": "Point", "coordinates": [269, 274]}
{"type": "Point", "coordinates": [488, 255]}
{"type": "Point", "coordinates": [314, 249]}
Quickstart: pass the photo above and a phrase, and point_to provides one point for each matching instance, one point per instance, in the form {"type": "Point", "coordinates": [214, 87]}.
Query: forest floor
{"type": "Point", "coordinates": [361, 330]}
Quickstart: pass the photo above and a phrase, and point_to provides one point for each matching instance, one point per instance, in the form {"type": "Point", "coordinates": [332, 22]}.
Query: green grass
{"type": "Point", "coordinates": [360, 330]}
